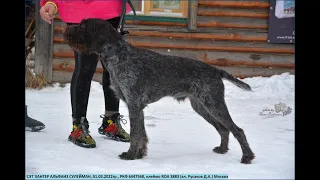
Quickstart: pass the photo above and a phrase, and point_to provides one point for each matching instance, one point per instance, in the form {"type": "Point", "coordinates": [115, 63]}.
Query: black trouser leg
{"type": "Point", "coordinates": [110, 99]}
{"type": "Point", "coordinates": [85, 67]}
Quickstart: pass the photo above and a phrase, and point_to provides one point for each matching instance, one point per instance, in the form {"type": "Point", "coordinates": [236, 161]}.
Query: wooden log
{"type": "Point", "coordinates": [181, 29]}
{"type": "Point", "coordinates": [207, 36]}
{"type": "Point", "coordinates": [235, 4]}
{"type": "Point", "coordinates": [261, 37]}
{"type": "Point", "coordinates": [213, 48]}
{"type": "Point", "coordinates": [212, 23]}
{"type": "Point", "coordinates": [154, 23]}
{"type": "Point", "coordinates": [206, 42]}
{"type": "Point", "coordinates": [192, 14]}
{"type": "Point", "coordinates": [231, 12]}
{"type": "Point", "coordinates": [65, 77]}
{"type": "Point", "coordinates": [197, 47]}
{"type": "Point", "coordinates": [274, 60]}
{"type": "Point", "coordinates": [70, 68]}
{"type": "Point", "coordinates": [43, 46]}
{"type": "Point", "coordinates": [229, 63]}
{"type": "Point", "coordinates": [65, 63]}
{"type": "Point", "coordinates": [217, 24]}
{"type": "Point", "coordinates": [245, 72]}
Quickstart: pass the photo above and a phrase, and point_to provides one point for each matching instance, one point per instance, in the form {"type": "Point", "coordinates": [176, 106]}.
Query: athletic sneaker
{"type": "Point", "coordinates": [80, 134]}
{"type": "Point", "coordinates": [111, 127]}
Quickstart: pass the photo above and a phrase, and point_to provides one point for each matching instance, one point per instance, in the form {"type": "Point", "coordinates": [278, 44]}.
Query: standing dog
{"type": "Point", "coordinates": [140, 77]}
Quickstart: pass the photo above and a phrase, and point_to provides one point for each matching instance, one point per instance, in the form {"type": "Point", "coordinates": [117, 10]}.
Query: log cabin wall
{"type": "Point", "coordinates": [230, 35]}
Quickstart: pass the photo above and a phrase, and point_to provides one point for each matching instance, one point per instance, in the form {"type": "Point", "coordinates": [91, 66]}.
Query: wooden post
{"type": "Point", "coordinates": [43, 46]}
{"type": "Point", "coordinates": [192, 14]}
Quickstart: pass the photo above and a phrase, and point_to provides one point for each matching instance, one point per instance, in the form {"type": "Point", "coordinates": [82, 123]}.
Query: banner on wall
{"type": "Point", "coordinates": [281, 21]}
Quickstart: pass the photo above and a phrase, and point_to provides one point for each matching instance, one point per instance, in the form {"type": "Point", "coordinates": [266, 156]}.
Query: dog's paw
{"type": "Point", "coordinates": [131, 156]}
{"type": "Point", "coordinates": [220, 150]}
{"type": "Point", "coordinates": [247, 159]}
{"type": "Point", "coordinates": [126, 156]}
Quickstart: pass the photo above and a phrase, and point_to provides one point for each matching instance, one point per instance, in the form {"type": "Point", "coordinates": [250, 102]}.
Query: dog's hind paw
{"type": "Point", "coordinates": [126, 156]}
{"type": "Point", "coordinates": [220, 150]}
{"type": "Point", "coordinates": [130, 156]}
{"type": "Point", "coordinates": [247, 159]}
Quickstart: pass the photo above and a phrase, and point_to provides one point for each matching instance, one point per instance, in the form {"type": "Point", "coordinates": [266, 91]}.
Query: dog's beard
{"type": "Point", "coordinates": [79, 48]}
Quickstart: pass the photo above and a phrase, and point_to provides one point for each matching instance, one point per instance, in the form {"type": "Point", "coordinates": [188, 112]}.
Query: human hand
{"type": "Point", "coordinates": [47, 12]}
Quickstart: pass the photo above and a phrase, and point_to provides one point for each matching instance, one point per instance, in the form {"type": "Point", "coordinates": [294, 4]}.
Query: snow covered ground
{"type": "Point", "coordinates": [180, 140]}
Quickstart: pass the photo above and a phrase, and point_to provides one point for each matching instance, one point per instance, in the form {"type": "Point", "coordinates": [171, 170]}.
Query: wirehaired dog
{"type": "Point", "coordinates": [140, 77]}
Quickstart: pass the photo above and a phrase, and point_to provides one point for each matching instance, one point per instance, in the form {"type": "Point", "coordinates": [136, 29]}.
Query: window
{"type": "Point", "coordinates": [167, 8]}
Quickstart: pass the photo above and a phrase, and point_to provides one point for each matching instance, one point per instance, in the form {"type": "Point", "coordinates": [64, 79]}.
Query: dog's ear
{"type": "Point", "coordinates": [109, 32]}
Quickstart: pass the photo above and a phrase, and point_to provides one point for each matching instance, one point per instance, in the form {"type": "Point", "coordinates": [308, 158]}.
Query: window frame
{"type": "Point", "coordinates": [148, 10]}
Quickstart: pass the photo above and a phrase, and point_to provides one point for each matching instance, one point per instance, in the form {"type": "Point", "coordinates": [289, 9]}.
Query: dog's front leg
{"type": "Point", "coordinates": [138, 135]}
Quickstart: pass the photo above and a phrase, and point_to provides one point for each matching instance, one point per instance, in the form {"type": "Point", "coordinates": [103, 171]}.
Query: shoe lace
{"type": "Point", "coordinates": [119, 119]}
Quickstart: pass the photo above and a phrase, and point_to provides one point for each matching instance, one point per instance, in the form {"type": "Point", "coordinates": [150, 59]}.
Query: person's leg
{"type": "Point", "coordinates": [30, 123]}
{"type": "Point", "coordinates": [111, 123]}
{"type": "Point", "coordinates": [85, 67]}
{"type": "Point", "coordinates": [110, 99]}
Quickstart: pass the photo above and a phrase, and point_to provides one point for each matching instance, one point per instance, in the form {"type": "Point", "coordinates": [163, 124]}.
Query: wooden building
{"type": "Point", "coordinates": [229, 34]}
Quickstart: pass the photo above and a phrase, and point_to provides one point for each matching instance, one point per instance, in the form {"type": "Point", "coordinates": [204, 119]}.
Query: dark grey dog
{"type": "Point", "coordinates": [140, 77]}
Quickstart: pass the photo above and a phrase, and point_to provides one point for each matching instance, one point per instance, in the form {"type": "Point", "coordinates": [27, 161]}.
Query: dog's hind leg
{"type": "Point", "coordinates": [215, 104]}
{"type": "Point", "coordinates": [224, 132]}
{"type": "Point", "coordinates": [138, 135]}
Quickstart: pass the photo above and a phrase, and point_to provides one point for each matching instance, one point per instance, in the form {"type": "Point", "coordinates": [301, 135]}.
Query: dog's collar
{"type": "Point", "coordinates": [115, 48]}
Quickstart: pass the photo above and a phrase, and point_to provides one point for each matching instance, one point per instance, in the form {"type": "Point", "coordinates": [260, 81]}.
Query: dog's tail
{"type": "Point", "coordinates": [235, 81]}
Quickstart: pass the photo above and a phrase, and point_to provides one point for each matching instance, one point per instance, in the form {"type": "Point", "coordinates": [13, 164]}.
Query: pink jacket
{"type": "Point", "coordinates": [73, 11]}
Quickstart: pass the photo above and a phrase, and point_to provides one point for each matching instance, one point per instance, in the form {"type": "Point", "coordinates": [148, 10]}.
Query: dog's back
{"type": "Point", "coordinates": [179, 70]}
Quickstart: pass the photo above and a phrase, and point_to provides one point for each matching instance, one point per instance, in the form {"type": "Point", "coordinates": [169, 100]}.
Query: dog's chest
{"type": "Point", "coordinates": [114, 85]}
{"type": "Point", "coordinates": [117, 84]}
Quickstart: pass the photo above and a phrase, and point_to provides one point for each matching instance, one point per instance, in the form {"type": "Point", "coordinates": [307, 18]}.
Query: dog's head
{"type": "Point", "coordinates": [91, 35]}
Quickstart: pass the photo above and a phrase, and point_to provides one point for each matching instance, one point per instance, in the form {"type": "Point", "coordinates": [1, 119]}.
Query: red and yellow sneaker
{"type": "Point", "coordinates": [111, 127]}
{"type": "Point", "coordinates": [80, 134]}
